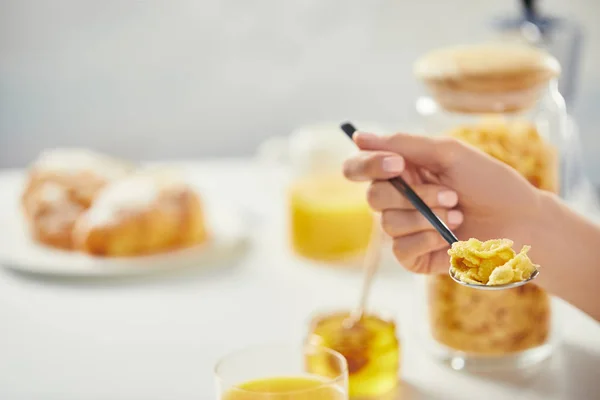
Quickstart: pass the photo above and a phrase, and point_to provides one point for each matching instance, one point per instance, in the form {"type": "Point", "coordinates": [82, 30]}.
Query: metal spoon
{"type": "Point", "coordinates": [405, 189]}
{"type": "Point", "coordinates": [482, 286]}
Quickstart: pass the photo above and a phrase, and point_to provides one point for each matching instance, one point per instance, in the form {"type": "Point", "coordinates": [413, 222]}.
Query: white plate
{"type": "Point", "coordinates": [18, 251]}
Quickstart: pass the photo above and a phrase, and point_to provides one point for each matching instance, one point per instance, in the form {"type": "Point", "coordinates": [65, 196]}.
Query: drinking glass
{"type": "Point", "coordinates": [273, 372]}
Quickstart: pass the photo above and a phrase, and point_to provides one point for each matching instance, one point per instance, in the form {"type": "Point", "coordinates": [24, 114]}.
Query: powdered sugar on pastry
{"type": "Point", "coordinates": [75, 160]}
{"type": "Point", "coordinates": [133, 194]}
{"type": "Point", "coordinates": [47, 196]}
{"type": "Point", "coordinates": [51, 193]}
{"type": "Point", "coordinates": [54, 223]}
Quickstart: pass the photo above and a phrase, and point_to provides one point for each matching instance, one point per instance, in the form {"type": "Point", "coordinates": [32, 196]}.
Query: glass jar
{"type": "Point", "coordinates": [328, 218]}
{"type": "Point", "coordinates": [370, 346]}
{"type": "Point", "coordinates": [504, 100]}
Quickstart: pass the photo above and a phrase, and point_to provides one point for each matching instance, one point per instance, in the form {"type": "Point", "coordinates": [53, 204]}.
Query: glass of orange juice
{"type": "Point", "coordinates": [277, 372]}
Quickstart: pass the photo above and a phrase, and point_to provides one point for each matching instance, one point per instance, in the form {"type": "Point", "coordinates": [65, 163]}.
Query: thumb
{"type": "Point", "coordinates": [435, 154]}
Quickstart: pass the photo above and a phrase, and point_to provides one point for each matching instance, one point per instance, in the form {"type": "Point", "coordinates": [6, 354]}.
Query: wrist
{"type": "Point", "coordinates": [543, 226]}
{"type": "Point", "coordinates": [565, 245]}
{"type": "Point", "coordinates": [535, 223]}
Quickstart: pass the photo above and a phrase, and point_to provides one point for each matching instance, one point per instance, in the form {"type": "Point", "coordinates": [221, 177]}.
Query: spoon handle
{"type": "Point", "coordinates": [403, 187]}
{"type": "Point", "coordinates": [439, 225]}
{"type": "Point", "coordinates": [370, 265]}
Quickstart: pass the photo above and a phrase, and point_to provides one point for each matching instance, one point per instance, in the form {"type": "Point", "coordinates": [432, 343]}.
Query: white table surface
{"type": "Point", "coordinates": [158, 338]}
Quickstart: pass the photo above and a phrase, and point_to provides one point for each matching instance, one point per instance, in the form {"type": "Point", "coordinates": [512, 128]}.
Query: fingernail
{"type": "Point", "coordinates": [365, 137]}
{"type": "Point", "coordinates": [393, 164]}
{"type": "Point", "coordinates": [447, 198]}
{"type": "Point", "coordinates": [455, 217]}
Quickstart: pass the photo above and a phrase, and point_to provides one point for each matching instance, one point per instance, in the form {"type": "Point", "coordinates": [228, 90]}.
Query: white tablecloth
{"type": "Point", "coordinates": [158, 338]}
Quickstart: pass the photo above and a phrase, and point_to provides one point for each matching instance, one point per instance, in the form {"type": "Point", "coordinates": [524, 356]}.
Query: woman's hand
{"type": "Point", "coordinates": [480, 197]}
{"type": "Point", "coordinates": [474, 194]}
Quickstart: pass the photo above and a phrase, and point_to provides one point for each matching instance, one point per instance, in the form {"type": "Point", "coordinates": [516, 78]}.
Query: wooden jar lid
{"type": "Point", "coordinates": [505, 77]}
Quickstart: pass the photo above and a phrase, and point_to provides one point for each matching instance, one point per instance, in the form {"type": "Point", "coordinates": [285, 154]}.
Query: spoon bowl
{"type": "Point", "coordinates": [481, 286]}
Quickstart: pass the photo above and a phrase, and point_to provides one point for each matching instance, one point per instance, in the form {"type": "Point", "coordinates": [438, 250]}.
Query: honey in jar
{"type": "Point", "coordinates": [370, 347]}
{"type": "Point", "coordinates": [330, 219]}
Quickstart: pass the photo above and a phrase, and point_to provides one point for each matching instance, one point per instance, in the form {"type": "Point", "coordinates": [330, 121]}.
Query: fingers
{"type": "Point", "coordinates": [416, 244]}
{"type": "Point", "coordinates": [398, 223]}
{"type": "Point", "coordinates": [381, 195]}
{"type": "Point", "coordinates": [372, 165]}
{"type": "Point", "coordinates": [416, 251]}
{"type": "Point", "coordinates": [435, 154]}
{"type": "Point", "coordinates": [430, 263]}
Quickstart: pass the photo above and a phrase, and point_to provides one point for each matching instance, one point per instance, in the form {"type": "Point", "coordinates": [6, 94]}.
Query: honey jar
{"type": "Point", "coordinates": [370, 346]}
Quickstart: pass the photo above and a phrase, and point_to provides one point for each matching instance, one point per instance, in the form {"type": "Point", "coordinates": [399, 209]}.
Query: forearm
{"type": "Point", "coordinates": [567, 248]}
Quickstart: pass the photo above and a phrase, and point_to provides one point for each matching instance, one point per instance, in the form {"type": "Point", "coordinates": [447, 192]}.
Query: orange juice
{"type": "Point", "coordinates": [330, 219]}
{"type": "Point", "coordinates": [286, 388]}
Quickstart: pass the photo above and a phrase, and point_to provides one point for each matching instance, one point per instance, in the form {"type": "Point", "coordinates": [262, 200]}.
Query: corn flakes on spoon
{"type": "Point", "coordinates": [450, 237]}
{"type": "Point", "coordinates": [490, 265]}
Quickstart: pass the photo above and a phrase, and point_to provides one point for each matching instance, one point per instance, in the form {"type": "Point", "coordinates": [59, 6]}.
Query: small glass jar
{"type": "Point", "coordinates": [370, 346]}
{"type": "Point", "coordinates": [503, 99]}
{"type": "Point", "coordinates": [328, 218]}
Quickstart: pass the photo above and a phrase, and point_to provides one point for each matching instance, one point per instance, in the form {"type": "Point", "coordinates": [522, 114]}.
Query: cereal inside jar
{"type": "Point", "coordinates": [503, 100]}
{"type": "Point", "coordinates": [517, 143]}
{"type": "Point", "coordinates": [488, 323]}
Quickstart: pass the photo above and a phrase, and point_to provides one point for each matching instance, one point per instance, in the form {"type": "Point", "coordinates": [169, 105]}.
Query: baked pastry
{"type": "Point", "coordinates": [144, 213]}
{"type": "Point", "coordinates": [61, 184]}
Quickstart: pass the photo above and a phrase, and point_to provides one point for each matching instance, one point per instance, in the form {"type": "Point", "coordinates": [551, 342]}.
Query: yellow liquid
{"type": "Point", "coordinates": [370, 347]}
{"type": "Point", "coordinates": [285, 388]}
{"type": "Point", "coordinates": [329, 218]}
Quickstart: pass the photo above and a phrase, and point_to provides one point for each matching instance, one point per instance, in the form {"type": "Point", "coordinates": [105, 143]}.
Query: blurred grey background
{"type": "Point", "coordinates": [205, 78]}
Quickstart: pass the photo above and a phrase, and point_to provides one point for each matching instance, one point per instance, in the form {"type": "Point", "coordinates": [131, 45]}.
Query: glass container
{"type": "Point", "coordinates": [328, 218]}
{"type": "Point", "coordinates": [370, 346]}
{"type": "Point", "coordinates": [502, 99]}
{"type": "Point", "coordinates": [279, 372]}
